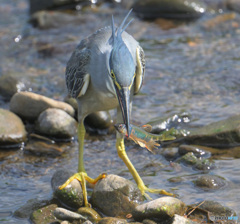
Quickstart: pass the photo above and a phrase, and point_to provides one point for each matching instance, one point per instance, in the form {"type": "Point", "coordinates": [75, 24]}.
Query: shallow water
{"type": "Point", "coordinates": [191, 68]}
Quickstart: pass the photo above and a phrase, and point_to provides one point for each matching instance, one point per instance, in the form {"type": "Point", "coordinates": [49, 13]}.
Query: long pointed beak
{"type": "Point", "coordinates": [124, 101]}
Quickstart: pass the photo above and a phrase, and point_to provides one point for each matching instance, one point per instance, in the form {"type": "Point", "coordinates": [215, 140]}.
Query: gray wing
{"type": "Point", "coordinates": [77, 76]}
{"type": "Point", "coordinates": [140, 69]}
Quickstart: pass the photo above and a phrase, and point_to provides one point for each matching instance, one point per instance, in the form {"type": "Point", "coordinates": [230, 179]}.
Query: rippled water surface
{"type": "Point", "coordinates": [192, 68]}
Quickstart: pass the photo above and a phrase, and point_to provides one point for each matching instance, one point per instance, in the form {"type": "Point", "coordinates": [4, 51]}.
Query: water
{"type": "Point", "coordinates": [191, 68]}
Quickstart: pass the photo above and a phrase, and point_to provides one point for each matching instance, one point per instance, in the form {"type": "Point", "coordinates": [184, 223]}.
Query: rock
{"type": "Point", "coordinates": [112, 220]}
{"type": "Point", "coordinates": [177, 121]}
{"type": "Point", "coordinates": [200, 164]}
{"type": "Point", "coordinates": [44, 215]}
{"type": "Point", "coordinates": [174, 9]}
{"type": "Point", "coordinates": [87, 222]}
{"type": "Point", "coordinates": [115, 196]}
{"type": "Point", "coordinates": [160, 209]}
{"type": "Point", "coordinates": [56, 123]}
{"type": "Point", "coordinates": [198, 151]}
{"type": "Point", "coordinates": [170, 154]}
{"type": "Point", "coordinates": [177, 219]}
{"type": "Point", "coordinates": [9, 85]}
{"type": "Point", "coordinates": [71, 196]}
{"type": "Point", "coordinates": [41, 148]}
{"type": "Point", "coordinates": [100, 119]}
{"type": "Point", "coordinates": [27, 209]}
{"type": "Point", "coordinates": [37, 5]}
{"type": "Point", "coordinates": [90, 214]}
{"type": "Point", "coordinates": [12, 129]}
{"type": "Point", "coordinates": [233, 5]}
{"type": "Point", "coordinates": [29, 105]}
{"type": "Point", "coordinates": [210, 182]}
{"type": "Point", "coordinates": [216, 209]}
{"type": "Point", "coordinates": [64, 214]}
{"type": "Point", "coordinates": [225, 133]}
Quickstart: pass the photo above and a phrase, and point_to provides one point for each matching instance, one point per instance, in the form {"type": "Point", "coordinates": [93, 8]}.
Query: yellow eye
{"type": "Point", "coordinates": [112, 74]}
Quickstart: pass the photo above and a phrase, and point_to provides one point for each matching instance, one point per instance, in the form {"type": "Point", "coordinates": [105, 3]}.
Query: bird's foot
{"type": "Point", "coordinates": [145, 189]}
{"type": "Point", "coordinates": [82, 177]}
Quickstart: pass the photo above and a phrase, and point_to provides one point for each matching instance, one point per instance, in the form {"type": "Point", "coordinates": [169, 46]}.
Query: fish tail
{"type": "Point", "coordinates": [151, 145]}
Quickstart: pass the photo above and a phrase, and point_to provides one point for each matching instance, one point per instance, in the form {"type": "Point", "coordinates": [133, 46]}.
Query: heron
{"type": "Point", "coordinates": [104, 72]}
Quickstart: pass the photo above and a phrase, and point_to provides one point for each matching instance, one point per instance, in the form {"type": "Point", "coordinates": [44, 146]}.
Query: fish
{"type": "Point", "coordinates": [142, 137]}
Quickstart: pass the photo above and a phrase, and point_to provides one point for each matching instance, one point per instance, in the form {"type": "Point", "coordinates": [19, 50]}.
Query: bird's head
{"type": "Point", "coordinates": [122, 70]}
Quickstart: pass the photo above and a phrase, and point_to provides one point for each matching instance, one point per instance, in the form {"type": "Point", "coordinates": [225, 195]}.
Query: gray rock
{"type": "Point", "coordinates": [112, 220]}
{"type": "Point", "coordinates": [87, 222]}
{"type": "Point", "coordinates": [44, 215]}
{"type": "Point", "coordinates": [64, 214]}
{"type": "Point", "coordinates": [222, 134]}
{"type": "Point", "coordinates": [9, 85]}
{"type": "Point", "coordinates": [29, 105]}
{"type": "Point", "coordinates": [26, 210]}
{"type": "Point", "coordinates": [115, 196]}
{"type": "Point", "coordinates": [197, 151]}
{"type": "Point", "coordinates": [174, 9]}
{"type": "Point", "coordinates": [216, 209]}
{"type": "Point", "coordinates": [90, 214]}
{"type": "Point", "coordinates": [160, 209]}
{"type": "Point", "coordinates": [37, 5]}
{"type": "Point", "coordinates": [233, 5]}
{"type": "Point", "coordinates": [12, 129]}
{"type": "Point", "coordinates": [56, 123]}
{"type": "Point", "coordinates": [200, 164]}
{"type": "Point", "coordinates": [71, 196]}
{"type": "Point", "coordinates": [177, 219]}
{"type": "Point", "coordinates": [210, 182]}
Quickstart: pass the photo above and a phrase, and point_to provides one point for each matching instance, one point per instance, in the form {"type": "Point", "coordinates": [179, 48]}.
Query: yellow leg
{"type": "Point", "coordinates": [82, 175]}
{"type": "Point", "coordinates": [122, 154]}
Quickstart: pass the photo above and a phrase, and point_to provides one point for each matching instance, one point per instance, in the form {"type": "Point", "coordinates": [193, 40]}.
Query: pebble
{"type": "Point", "coordinates": [12, 130]}
{"type": "Point", "coordinates": [160, 209]}
{"type": "Point", "coordinates": [210, 182]}
{"type": "Point", "coordinates": [233, 5]}
{"type": "Point", "coordinates": [29, 105]}
{"type": "Point", "coordinates": [115, 196]}
{"type": "Point", "coordinates": [197, 151]}
{"type": "Point", "coordinates": [112, 220]}
{"type": "Point", "coordinates": [56, 123]}
{"type": "Point", "coordinates": [89, 213]}
{"type": "Point", "coordinates": [174, 9]}
{"type": "Point", "coordinates": [64, 214]}
{"type": "Point", "coordinates": [71, 196]}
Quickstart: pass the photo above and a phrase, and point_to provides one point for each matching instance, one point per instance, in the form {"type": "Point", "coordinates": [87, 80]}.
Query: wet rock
{"type": "Point", "coordinates": [216, 209]}
{"type": "Point", "coordinates": [198, 151]}
{"type": "Point", "coordinates": [12, 129]}
{"type": "Point", "coordinates": [9, 85]}
{"type": "Point", "coordinates": [37, 5]}
{"type": "Point", "coordinates": [115, 196]}
{"type": "Point", "coordinates": [160, 209]}
{"type": "Point", "coordinates": [41, 148]}
{"type": "Point", "coordinates": [210, 182]}
{"type": "Point", "coordinates": [222, 134]}
{"type": "Point", "coordinates": [200, 164]}
{"type": "Point", "coordinates": [44, 215]}
{"type": "Point", "coordinates": [174, 9]}
{"type": "Point", "coordinates": [233, 5]}
{"type": "Point", "coordinates": [100, 119]}
{"type": "Point", "coordinates": [89, 213]}
{"type": "Point", "coordinates": [112, 220]}
{"type": "Point", "coordinates": [64, 214]}
{"type": "Point", "coordinates": [177, 219]}
{"type": "Point", "coordinates": [29, 105]}
{"type": "Point", "coordinates": [148, 221]}
{"type": "Point", "coordinates": [71, 196]}
{"type": "Point", "coordinates": [170, 153]}
{"type": "Point", "coordinates": [177, 121]}
{"type": "Point", "coordinates": [87, 222]}
{"type": "Point", "coordinates": [56, 123]}
{"type": "Point", "coordinates": [27, 209]}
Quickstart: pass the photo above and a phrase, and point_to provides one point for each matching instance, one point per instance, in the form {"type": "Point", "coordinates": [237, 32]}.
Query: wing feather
{"type": "Point", "coordinates": [140, 69]}
{"type": "Point", "coordinates": [77, 75]}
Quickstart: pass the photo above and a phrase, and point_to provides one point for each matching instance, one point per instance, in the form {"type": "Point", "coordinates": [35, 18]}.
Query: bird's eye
{"type": "Point", "coordinates": [112, 74]}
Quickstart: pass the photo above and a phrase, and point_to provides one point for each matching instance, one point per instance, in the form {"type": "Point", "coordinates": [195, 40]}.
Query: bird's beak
{"type": "Point", "coordinates": [123, 95]}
